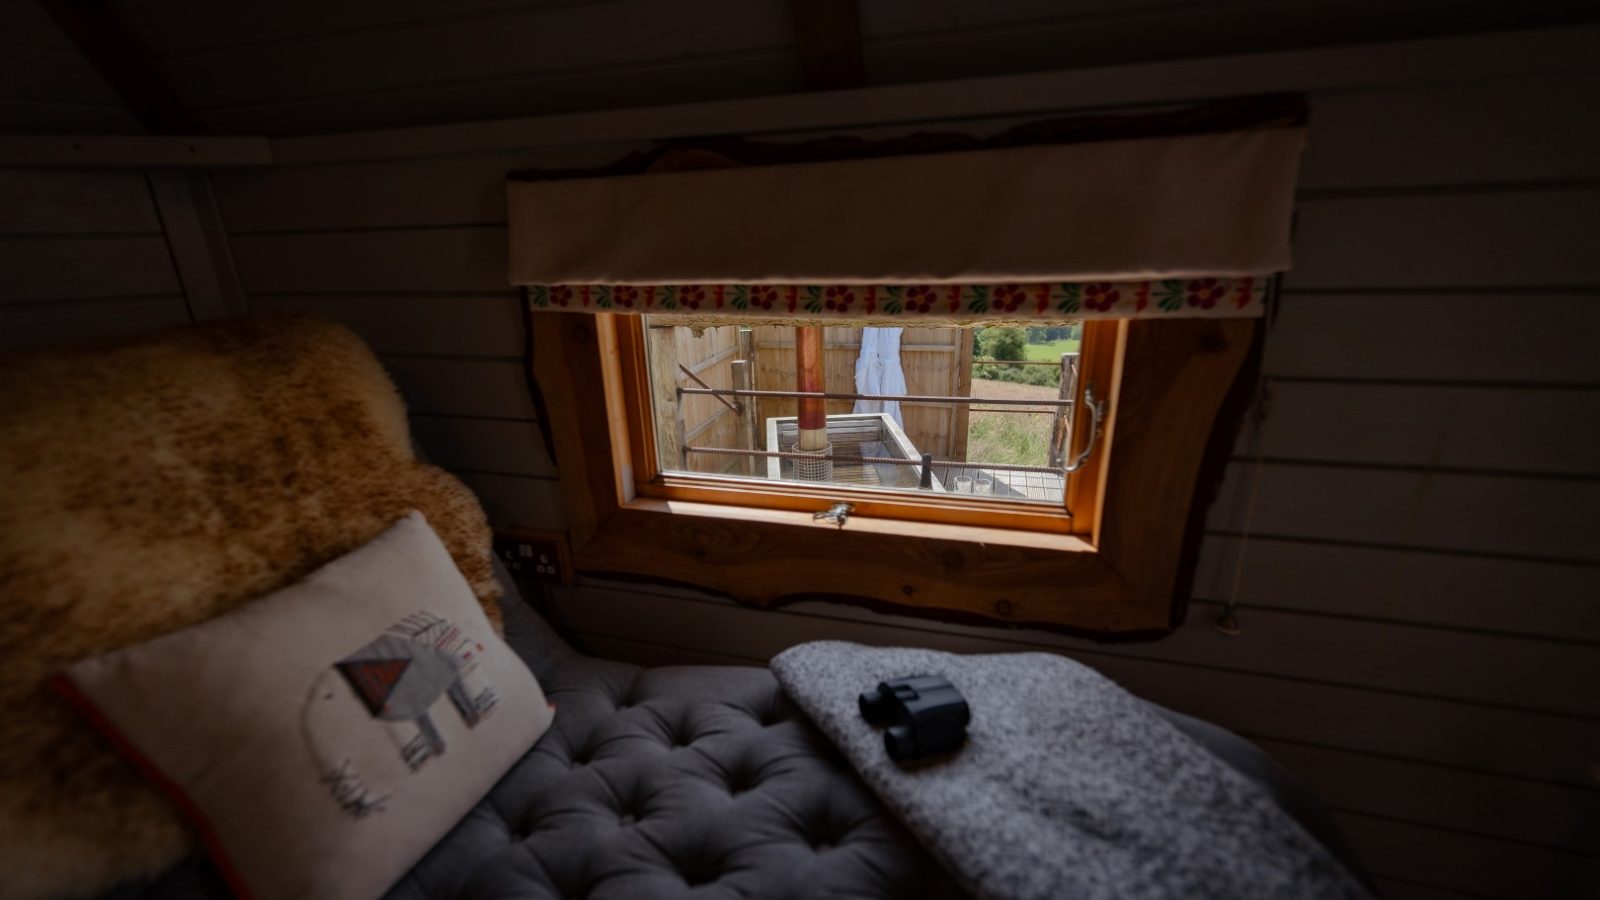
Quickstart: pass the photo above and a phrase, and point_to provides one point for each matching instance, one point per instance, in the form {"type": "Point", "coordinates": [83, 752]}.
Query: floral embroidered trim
{"type": "Point", "coordinates": [1173, 297]}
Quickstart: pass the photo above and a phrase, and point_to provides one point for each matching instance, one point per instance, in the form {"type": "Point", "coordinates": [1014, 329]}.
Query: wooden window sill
{"type": "Point", "coordinates": [1120, 579]}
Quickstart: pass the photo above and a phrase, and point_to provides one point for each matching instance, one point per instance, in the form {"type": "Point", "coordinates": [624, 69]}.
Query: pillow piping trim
{"type": "Point", "coordinates": [64, 686]}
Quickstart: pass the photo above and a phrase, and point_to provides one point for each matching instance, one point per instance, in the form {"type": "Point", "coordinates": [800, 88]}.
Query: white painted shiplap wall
{"type": "Point", "coordinates": [83, 255]}
{"type": "Point", "coordinates": [46, 85]}
{"type": "Point", "coordinates": [307, 67]}
{"type": "Point", "coordinates": [1409, 530]}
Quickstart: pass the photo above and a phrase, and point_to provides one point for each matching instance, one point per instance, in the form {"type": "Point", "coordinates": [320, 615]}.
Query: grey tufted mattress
{"type": "Point", "coordinates": [701, 782]}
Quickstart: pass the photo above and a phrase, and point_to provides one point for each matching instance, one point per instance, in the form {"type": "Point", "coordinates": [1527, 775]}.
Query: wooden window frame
{"type": "Point", "coordinates": [1114, 570]}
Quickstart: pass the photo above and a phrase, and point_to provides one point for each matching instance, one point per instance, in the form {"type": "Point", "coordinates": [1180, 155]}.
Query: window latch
{"type": "Point", "coordinates": [837, 514]}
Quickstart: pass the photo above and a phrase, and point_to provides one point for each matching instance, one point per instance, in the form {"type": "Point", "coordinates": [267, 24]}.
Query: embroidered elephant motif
{"type": "Point", "coordinates": [397, 679]}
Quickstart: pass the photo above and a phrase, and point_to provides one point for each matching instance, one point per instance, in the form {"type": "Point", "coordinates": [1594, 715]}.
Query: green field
{"type": "Point", "coordinates": [1052, 350]}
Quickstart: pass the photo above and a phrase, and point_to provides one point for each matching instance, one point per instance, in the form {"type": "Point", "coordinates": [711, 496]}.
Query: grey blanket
{"type": "Point", "coordinates": [1068, 786]}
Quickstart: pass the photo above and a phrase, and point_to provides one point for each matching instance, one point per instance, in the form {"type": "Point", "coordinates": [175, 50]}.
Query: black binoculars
{"type": "Point", "coordinates": [926, 716]}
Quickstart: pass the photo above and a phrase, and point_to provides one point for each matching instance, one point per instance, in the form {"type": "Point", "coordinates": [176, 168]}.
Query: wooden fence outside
{"type": "Point", "coordinates": [936, 361]}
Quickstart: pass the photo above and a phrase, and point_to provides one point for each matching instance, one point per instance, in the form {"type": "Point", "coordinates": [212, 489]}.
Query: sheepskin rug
{"type": "Point", "coordinates": [149, 486]}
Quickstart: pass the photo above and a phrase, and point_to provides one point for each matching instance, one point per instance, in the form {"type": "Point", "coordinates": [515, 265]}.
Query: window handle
{"type": "Point", "coordinates": [836, 514]}
{"type": "Point", "coordinates": [1097, 412]}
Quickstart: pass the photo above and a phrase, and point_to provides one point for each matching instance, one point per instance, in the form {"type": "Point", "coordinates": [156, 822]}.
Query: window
{"type": "Point", "coordinates": [1106, 558]}
{"type": "Point", "coordinates": [971, 411]}
{"type": "Point", "coordinates": [915, 423]}
{"type": "Point", "coordinates": [1162, 230]}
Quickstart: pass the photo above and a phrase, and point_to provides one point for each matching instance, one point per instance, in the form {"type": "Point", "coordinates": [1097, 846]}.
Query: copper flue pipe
{"type": "Point", "coordinates": [813, 416]}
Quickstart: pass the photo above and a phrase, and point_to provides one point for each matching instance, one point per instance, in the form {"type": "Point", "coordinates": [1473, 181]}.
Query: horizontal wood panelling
{"type": "Point", "coordinates": [1516, 238]}
{"type": "Point", "coordinates": [459, 324]}
{"type": "Point", "coordinates": [1536, 517]}
{"type": "Point", "coordinates": [1493, 429]}
{"type": "Point", "coordinates": [1437, 136]}
{"type": "Point", "coordinates": [1513, 338]}
{"type": "Point", "coordinates": [426, 259]}
{"type": "Point", "coordinates": [1536, 234]}
{"type": "Point", "coordinates": [30, 117]}
{"type": "Point", "coordinates": [1551, 600]}
{"type": "Point", "coordinates": [29, 25]}
{"type": "Point", "coordinates": [1179, 31]}
{"type": "Point", "coordinates": [82, 257]}
{"type": "Point", "coordinates": [1493, 806]}
{"type": "Point", "coordinates": [46, 324]}
{"type": "Point", "coordinates": [512, 501]}
{"type": "Point", "coordinates": [888, 18]}
{"type": "Point", "coordinates": [1339, 69]}
{"type": "Point", "coordinates": [52, 76]}
{"type": "Point", "coordinates": [1477, 667]}
{"type": "Point", "coordinates": [450, 190]}
{"type": "Point", "coordinates": [749, 74]}
{"type": "Point", "coordinates": [79, 268]}
{"type": "Point", "coordinates": [1431, 358]}
{"type": "Point", "coordinates": [1479, 866]}
{"type": "Point", "coordinates": [1473, 667]}
{"type": "Point", "coordinates": [450, 50]}
{"type": "Point", "coordinates": [36, 201]}
{"type": "Point", "coordinates": [175, 26]}
{"type": "Point", "coordinates": [1259, 705]}
{"type": "Point", "coordinates": [462, 387]}
{"type": "Point", "coordinates": [470, 189]}
{"type": "Point", "coordinates": [483, 445]}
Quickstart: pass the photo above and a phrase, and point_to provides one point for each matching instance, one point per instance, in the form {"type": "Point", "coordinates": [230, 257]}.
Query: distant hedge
{"type": "Point", "coordinates": [1049, 376]}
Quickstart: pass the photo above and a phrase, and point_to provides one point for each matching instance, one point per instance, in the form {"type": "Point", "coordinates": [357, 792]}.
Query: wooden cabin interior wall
{"type": "Point", "coordinates": [1407, 524]}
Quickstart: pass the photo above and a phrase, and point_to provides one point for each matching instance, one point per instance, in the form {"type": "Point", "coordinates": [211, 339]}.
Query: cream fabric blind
{"type": "Point", "coordinates": [1193, 225]}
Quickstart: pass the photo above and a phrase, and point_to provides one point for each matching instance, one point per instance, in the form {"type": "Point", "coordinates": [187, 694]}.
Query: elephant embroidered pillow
{"type": "Point", "coordinates": [326, 736]}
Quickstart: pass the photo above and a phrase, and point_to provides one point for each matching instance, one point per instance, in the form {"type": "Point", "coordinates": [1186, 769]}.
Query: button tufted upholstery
{"type": "Point", "coordinates": [673, 782]}
{"type": "Point", "coordinates": [702, 782]}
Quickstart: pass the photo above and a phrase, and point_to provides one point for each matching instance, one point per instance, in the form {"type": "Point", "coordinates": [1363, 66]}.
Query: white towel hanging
{"type": "Point", "coordinates": [878, 372]}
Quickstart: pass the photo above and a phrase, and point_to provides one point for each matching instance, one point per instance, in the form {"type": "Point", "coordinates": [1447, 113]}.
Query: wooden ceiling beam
{"type": "Point", "coordinates": [117, 52]}
{"type": "Point", "coordinates": [827, 37]}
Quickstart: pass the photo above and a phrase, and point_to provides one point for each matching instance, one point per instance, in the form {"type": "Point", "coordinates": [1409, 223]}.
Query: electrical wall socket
{"type": "Point", "coordinates": [541, 555]}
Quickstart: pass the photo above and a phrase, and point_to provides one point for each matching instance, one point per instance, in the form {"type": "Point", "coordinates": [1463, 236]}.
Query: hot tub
{"type": "Point", "coordinates": [853, 436]}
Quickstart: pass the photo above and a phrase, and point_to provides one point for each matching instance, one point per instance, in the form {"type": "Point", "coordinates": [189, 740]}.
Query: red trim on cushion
{"type": "Point", "coordinates": [63, 685]}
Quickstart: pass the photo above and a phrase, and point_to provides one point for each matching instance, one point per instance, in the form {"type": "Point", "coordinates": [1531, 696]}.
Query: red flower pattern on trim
{"type": "Point", "coordinates": [1100, 295]}
{"type": "Point", "coordinates": [920, 298]}
{"type": "Point", "coordinates": [1007, 297]}
{"type": "Point", "coordinates": [837, 298]}
{"type": "Point", "coordinates": [1205, 292]}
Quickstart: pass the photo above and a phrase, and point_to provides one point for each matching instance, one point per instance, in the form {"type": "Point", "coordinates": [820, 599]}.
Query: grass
{"type": "Point", "coordinates": [1009, 438]}
{"type": "Point", "coordinates": [1053, 350]}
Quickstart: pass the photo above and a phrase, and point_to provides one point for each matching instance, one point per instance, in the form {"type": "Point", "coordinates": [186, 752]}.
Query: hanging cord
{"type": "Point", "coordinates": [1228, 619]}
{"type": "Point", "coordinates": [534, 392]}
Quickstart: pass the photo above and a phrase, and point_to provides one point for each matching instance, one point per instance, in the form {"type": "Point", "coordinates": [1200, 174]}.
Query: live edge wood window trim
{"type": "Point", "coordinates": [1118, 576]}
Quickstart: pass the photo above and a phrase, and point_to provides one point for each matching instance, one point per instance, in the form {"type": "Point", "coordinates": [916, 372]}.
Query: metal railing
{"type": "Point", "coordinates": [904, 398]}
{"type": "Point", "coordinates": [888, 460]}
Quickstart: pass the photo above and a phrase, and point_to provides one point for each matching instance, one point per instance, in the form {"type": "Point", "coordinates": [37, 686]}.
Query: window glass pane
{"type": "Point", "coordinates": [983, 411]}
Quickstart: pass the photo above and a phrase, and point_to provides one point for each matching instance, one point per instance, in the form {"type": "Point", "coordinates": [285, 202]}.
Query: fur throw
{"type": "Point", "coordinates": [149, 486]}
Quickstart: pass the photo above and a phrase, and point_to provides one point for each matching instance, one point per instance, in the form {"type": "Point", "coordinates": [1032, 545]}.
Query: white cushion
{"type": "Point", "coordinates": [326, 736]}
